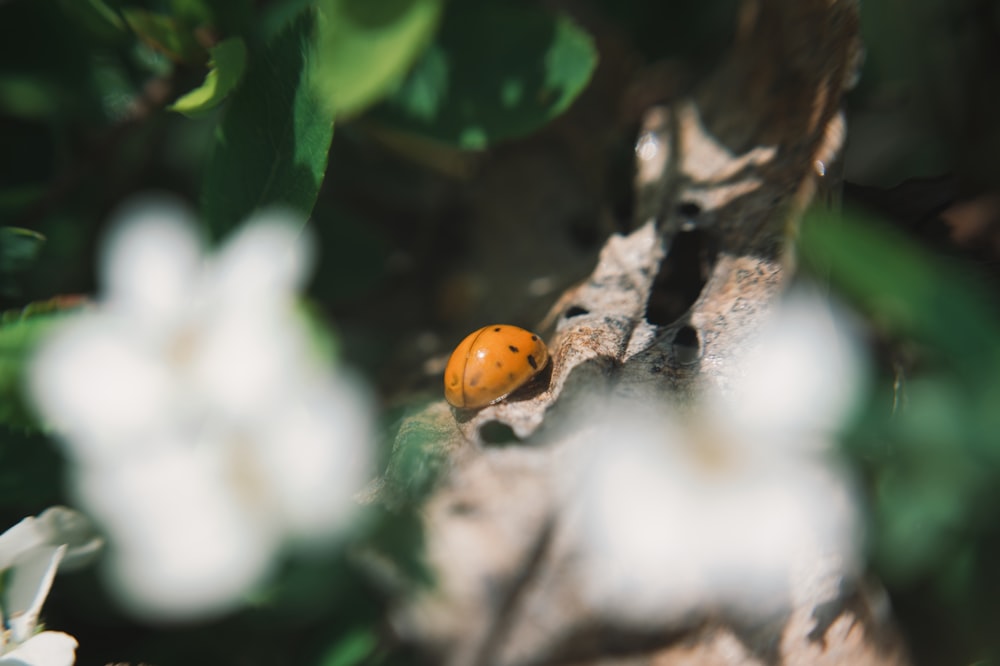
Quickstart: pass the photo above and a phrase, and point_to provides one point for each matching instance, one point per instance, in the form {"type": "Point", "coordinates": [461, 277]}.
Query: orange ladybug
{"type": "Point", "coordinates": [491, 363]}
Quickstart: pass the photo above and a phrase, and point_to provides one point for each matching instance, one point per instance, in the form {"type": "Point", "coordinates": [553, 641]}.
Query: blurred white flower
{"type": "Point", "coordinates": [30, 554]}
{"type": "Point", "coordinates": [730, 507]}
{"type": "Point", "coordinates": [206, 431]}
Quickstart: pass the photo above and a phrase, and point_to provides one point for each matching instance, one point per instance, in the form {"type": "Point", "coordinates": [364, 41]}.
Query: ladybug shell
{"type": "Point", "coordinates": [491, 363]}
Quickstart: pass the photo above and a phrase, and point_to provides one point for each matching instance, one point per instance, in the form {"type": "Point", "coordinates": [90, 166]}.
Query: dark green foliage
{"type": "Point", "coordinates": [271, 146]}
{"type": "Point", "coordinates": [928, 445]}
{"type": "Point", "coordinates": [497, 70]}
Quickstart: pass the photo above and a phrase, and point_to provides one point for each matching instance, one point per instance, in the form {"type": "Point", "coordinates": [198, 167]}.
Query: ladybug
{"type": "Point", "coordinates": [491, 363]}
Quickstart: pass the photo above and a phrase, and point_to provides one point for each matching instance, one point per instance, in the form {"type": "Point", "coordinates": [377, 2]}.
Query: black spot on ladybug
{"type": "Point", "coordinates": [510, 376]}
{"type": "Point", "coordinates": [496, 330]}
{"type": "Point", "coordinates": [534, 338]}
{"type": "Point", "coordinates": [474, 381]}
{"type": "Point", "coordinates": [499, 364]}
{"type": "Point", "coordinates": [532, 362]}
{"type": "Point", "coordinates": [513, 348]}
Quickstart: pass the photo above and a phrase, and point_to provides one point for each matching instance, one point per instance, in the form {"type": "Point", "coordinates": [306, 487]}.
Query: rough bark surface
{"type": "Point", "coordinates": [735, 164]}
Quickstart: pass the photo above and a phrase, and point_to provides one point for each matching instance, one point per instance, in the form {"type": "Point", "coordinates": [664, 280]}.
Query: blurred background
{"type": "Point", "coordinates": [438, 214]}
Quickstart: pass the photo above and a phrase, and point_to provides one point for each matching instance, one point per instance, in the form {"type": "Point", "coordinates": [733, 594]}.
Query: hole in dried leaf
{"type": "Point", "coordinates": [681, 277]}
{"type": "Point", "coordinates": [687, 346]}
{"type": "Point", "coordinates": [575, 311]}
{"type": "Point", "coordinates": [495, 433]}
{"type": "Point", "coordinates": [688, 209]}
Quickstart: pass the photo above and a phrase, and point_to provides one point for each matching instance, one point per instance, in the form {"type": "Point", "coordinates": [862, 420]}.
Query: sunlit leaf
{"type": "Point", "coordinates": [271, 145]}
{"type": "Point", "coordinates": [497, 70]}
{"type": "Point", "coordinates": [228, 60]}
{"type": "Point", "coordinates": [364, 48]}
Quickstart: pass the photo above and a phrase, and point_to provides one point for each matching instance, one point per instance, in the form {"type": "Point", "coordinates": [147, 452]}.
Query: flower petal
{"type": "Point", "coordinates": [668, 529]}
{"type": "Point", "coordinates": [22, 537]}
{"type": "Point", "coordinates": [29, 583]}
{"type": "Point", "coordinates": [62, 525]}
{"type": "Point", "coordinates": [803, 375]}
{"type": "Point", "coordinates": [49, 648]}
{"type": "Point", "coordinates": [247, 359]}
{"type": "Point", "coordinates": [55, 526]}
{"type": "Point", "coordinates": [267, 259]}
{"type": "Point", "coordinates": [181, 544]}
{"type": "Point", "coordinates": [99, 385]}
{"type": "Point", "coordinates": [152, 261]}
{"type": "Point", "coordinates": [631, 513]}
{"type": "Point", "coordinates": [317, 451]}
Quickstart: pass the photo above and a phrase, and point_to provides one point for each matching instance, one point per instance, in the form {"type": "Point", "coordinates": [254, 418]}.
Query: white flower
{"type": "Point", "coordinates": [730, 508]}
{"type": "Point", "coordinates": [48, 648]}
{"type": "Point", "coordinates": [205, 430]}
{"type": "Point", "coordinates": [30, 554]}
{"type": "Point", "coordinates": [56, 526]}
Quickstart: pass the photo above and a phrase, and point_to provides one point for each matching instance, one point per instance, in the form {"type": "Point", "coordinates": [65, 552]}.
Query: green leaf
{"type": "Point", "coordinates": [228, 60]}
{"type": "Point", "coordinates": [18, 248]}
{"type": "Point", "coordinates": [364, 48]}
{"type": "Point", "coordinates": [416, 462]}
{"type": "Point", "coordinates": [352, 649]}
{"type": "Point", "coordinates": [907, 289]}
{"type": "Point", "coordinates": [271, 145]}
{"type": "Point", "coordinates": [498, 70]}
{"type": "Point", "coordinates": [935, 464]}
{"type": "Point", "coordinates": [274, 17]}
{"type": "Point", "coordinates": [920, 516]}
